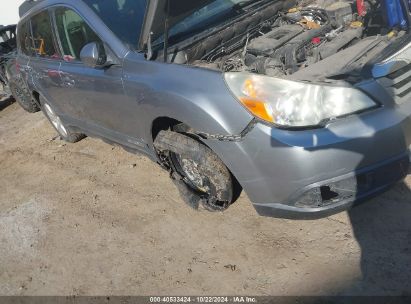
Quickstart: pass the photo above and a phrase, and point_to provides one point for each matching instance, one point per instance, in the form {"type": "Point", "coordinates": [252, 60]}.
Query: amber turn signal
{"type": "Point", "coordinates": [258, 108]}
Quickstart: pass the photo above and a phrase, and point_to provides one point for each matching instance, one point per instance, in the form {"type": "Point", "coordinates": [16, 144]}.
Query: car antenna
{"type": "Point", "coordinates": [166, 32]}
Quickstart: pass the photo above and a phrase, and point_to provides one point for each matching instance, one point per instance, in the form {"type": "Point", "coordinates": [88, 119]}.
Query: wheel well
{"type": "Point", "coordinates": [162, 124]}
{"type": "Point", "coordinates": [36, 97]}
{"type": "Point", "coordinates": [166, 123]}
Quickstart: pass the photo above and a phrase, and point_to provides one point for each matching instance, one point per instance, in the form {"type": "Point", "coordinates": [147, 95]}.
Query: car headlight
{"type": "Point", "coordinates": [295, 104]}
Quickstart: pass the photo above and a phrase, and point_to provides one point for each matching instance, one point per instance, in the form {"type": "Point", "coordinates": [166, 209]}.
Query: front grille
{"type": "Point", "coordinates": [398, 84]}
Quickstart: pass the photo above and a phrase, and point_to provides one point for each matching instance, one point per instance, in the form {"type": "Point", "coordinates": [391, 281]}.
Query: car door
{"type": "Point", "coordinates": [24, 51]}
{"type": "Point", "coordinates": [45, 61]}
{"type": "Point", "coordinates": [92, 97]}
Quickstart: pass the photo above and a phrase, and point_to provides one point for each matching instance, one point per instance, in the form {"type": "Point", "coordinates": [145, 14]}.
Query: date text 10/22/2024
{"type": "Point", "coordinates": [204, 299]}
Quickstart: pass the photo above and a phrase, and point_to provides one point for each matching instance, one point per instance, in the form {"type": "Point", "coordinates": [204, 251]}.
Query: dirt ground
{"type": "Point", "coordinates": [92, 219]}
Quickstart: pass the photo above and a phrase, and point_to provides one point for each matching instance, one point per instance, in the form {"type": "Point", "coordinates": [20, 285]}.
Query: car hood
{"type": "Point", "coordinates": [373, 57]}
{"type": "Point", "coordinates": [157, 12]}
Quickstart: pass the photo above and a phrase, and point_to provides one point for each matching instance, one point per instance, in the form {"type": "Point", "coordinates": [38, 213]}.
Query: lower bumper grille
{"type": "Point", "coordinates": [353, 188]}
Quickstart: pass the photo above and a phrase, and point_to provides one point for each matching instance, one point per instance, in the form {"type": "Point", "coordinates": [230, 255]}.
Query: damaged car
{"type": "Point", "coordinates": [7, 54]}
{"type": "Point", "coordinates": [304, 105]}
{"type": "Point", "coordinates": [11, 82]}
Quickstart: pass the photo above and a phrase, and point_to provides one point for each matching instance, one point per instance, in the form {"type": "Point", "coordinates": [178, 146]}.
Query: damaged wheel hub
{"type": "Point", "coordinates": [192, 172]}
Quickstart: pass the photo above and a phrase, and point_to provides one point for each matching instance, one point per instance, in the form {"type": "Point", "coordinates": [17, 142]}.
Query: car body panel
{"type": "Point", "coordinates": [45, 77]}
{"type": "Point", "coordinates": [197, 97]}
{"type": "Point", "coordinates": [92, 95]}
{"type": "Point", "coordinates": [276, 166]}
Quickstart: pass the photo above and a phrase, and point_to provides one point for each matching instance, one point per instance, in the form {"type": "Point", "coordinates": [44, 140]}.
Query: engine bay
{"type": "Point", "coordinates": [298, 35]}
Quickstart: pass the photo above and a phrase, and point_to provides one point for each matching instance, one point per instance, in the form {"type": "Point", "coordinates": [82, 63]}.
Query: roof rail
{"type": "Point", "coordinates": [26, 6]}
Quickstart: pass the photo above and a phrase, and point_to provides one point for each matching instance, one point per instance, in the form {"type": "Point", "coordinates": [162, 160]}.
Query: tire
{"type": "Point", "coordinates": [64, 132]}
{"type": "Point", "coordinates": [23, 97]}
{"type": "Point", "coordinates": [201, 177]}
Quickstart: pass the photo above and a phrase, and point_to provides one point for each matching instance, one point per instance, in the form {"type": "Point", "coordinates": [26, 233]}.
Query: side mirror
{"type": "Point", "coordinates": [93, 55]}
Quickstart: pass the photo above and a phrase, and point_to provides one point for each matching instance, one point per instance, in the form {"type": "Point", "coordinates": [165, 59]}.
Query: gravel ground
{"type": "Point", "coordinates": [91, 219]}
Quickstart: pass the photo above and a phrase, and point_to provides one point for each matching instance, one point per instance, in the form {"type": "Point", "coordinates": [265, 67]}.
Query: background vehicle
{"type": "Point", "coordinates": [11, 81]}
{"type": "Point", "coordinates": [295, 101]}
{"type": "Point", "coordinates": [8, 47]}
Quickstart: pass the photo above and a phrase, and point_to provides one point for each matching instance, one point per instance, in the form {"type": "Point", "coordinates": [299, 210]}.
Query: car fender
{"type": "Point", "coordinates": [195, 96]}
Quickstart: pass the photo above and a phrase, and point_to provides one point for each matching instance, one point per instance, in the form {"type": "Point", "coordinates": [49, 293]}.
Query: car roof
{"type": "Point", "coordinates": [27, 5]}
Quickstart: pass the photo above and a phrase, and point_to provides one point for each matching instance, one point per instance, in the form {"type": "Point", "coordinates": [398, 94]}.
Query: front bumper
{"type": "Point", "coordinates": [340, 193]}
{"type": "Point", "coordinates": [316, 173]}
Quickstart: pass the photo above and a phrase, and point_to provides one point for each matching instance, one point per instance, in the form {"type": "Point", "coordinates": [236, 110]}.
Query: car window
{"type": "Point", "coordinates": [74, 33]}
{"type": "Point", "coordinates": [43, 36]}
{"type": "Point", "coordinates": [25, 40]}
{"type": "Point", "coordinates": [123, 17]}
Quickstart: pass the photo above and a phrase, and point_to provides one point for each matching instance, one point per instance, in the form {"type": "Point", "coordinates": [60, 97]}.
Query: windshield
{"type": "Point", "coordinates": [123, 17]}
{"type": "Point", "coordinates": [204, 17]}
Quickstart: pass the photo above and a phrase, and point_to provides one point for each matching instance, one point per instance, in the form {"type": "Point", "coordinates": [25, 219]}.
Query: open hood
{"type": "Point", "coordinates": [157, 12]}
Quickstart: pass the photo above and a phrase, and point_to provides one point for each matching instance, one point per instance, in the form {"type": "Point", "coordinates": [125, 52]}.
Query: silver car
{"type": "Point", "coordinates": [307, 107]}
